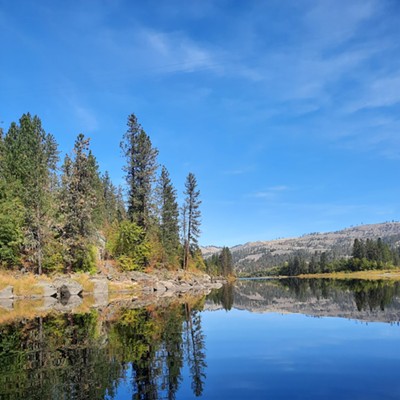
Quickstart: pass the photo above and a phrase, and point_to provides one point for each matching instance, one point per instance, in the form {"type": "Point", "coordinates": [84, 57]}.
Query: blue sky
{"type": "Point", "coordinates": [287, 112]}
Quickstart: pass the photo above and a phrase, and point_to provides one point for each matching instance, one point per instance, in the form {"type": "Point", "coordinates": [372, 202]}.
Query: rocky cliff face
{"type": "Point", "coordinates": [255, 256]}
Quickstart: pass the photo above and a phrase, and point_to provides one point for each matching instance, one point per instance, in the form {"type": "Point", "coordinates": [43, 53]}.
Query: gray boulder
{"type": "Point", "coordinates": [7, 293]}
{"type": "Point", "coordinates": [49, 303]}
{"type": "Point", "coordinates": [100, 286]}
{"type": "Point", "coordinates": [184, 287]}
{"type": "Point", "coordinates": [159, 287]}
{"type": "Point", "coordinates": [67, 287]}
{"type": "Point", "coordinates": [215, 285]}
{"type": "Point", "coordinates": [49, 290]}
{"type": "Point", "coordinates": [170, 286]}
{"type": "Point", "coordinates": [68, 304]}
{"type": "Point", "coordinates": [7, 304]}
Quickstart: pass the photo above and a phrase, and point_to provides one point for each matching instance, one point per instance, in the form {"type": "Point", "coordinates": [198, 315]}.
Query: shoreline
{"type": "Point", "coordinates": [17, 286]}
{"type": "Point", "coordinates": [388, 275]}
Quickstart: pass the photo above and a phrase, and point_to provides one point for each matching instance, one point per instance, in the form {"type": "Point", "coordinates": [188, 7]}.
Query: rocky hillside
{"type": "Point", "coordinates": [254, 256]}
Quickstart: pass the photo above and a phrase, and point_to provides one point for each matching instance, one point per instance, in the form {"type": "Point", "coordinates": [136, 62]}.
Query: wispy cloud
{"type": "Point", "coordinates": [175, 52]}
{"type": "Point", "coordinates": [382, 92]}
{"type": "Point", "coordinates": [239, 171]}
{"type": "Point", "coordinates": [270, 193]}
{"type": "Point", "coordinates": [83, 115]}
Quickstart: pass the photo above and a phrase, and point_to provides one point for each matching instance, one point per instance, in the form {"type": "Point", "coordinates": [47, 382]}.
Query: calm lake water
{"type": "Point", "coordinates": [264, 339]}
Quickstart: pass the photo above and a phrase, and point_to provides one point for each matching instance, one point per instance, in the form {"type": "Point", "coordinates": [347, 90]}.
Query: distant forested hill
{"type": "Point", "coordinates": [254, 256]}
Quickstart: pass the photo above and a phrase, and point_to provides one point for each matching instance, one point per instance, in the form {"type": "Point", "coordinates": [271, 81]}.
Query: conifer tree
{"type": "Point", "coordinates": [226, 261]}
{"type": "Point", "coordinates": [191, 217]}
{"type": "Point", "coordinates": [169, 215]}
{"type": "Point", "coordinates": [140, 172]}
{"type": "Point", "coordinates": [78, 203]}
{"type": "Point", "coordinates": [112, 200]}
{"type": "Point", "coordinates": [11, 226]}
{"type": "Point", "coordinates": [29, 164]}
{"type": "Point", "coordinates": [358, 249]}
{"type": "Point", "coordinates": [109, 199]}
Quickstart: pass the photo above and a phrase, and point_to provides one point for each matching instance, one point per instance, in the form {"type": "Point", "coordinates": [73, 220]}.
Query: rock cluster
{"type": "Point", "coordinates": [64, 292]}
{"type": "Point", "coordinates": [167, 283]}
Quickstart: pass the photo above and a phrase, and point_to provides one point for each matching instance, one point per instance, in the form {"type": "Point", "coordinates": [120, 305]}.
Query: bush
{"type": "Point", "coordinates": [128, 245]}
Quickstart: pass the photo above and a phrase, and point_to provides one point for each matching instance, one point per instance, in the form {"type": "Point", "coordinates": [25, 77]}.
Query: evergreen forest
{"type": "Point", "coordinates": [366, 255]}
{"type": "Point", "coordinates": [65, 215]}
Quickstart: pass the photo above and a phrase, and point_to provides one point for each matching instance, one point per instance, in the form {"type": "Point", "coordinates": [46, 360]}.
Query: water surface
{"type": "Point", "coordinates": [297, 339]}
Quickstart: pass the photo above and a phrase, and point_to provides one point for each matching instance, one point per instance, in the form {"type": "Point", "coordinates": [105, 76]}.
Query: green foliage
{"type": "Point", "coordinates": [89, 258]}
{"type": "Point", "coordinates": [140, 172]}
{"type": "Point", "coordinates": [169, 216]}
{"type": "Point", "coordinates": [220, 263]}
{"type": "Point", "coordinates": [29, 163]}
{"type": "Point", "coordinates": [79, 206]}
{"type": "Point", "coordinates": [129, 246]}
{"type": "Point", "coordinates": [198, 260]}
{"type": "Point", "coordinates": [53, 259]}
{"type": "Point", "coordinates": [51, 222]}
{"type": "Point", "coordinates": [112, 201]}
{"type": "Point", "coordinates": [191, 217]}
{"type": "Point", "coordinates": [11, 227]}
{"type": "Point", "coordinates": [367, 255]}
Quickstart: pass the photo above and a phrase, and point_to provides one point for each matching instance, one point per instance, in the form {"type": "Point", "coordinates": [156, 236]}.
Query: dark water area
{"type": "Point", "coordinates": [278, 339]}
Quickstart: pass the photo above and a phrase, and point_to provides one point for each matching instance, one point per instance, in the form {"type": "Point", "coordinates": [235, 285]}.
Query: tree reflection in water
{"type": "Point", "coordinates": [84, 356]}
{"type": "Point", "coordinates": [93, 355]}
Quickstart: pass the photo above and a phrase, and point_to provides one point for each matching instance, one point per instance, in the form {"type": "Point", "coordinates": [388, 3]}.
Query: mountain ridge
{"type": "Point", "coordinates": [265, 254]}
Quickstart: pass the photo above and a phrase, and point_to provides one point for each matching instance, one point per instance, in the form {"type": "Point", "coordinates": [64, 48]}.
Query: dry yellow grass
{"type": "Point", "coordinates": [390, 274]}
{"type": "Point", "coordinates": [84, 280]}
{"type": "Point", "coordinates": [24, 285]}
{"type": "Point", "coordinates": [23, 309]}
{"type": "Point", "coordinates": [124, 286]}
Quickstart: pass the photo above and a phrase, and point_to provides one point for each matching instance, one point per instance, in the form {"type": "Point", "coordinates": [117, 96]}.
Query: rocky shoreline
{"type": "Point", "coordinates": [67, 291]}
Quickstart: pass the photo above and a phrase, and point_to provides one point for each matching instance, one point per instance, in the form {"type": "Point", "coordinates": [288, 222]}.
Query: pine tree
{"type": "Point", "coordinates": [109, 199]}
{"type": "Point", "coordinates": [191, 217]}
{"type": "Point", "coordinates": [29, 164]}
{"type": "Point", "coordinates": [225, 259]}
{"type": "Point", "coordinates": [140, 172]}
{"type": "Point", "coordinates": [358, 249]}
{"type": "Point", "coordinates": [11, 226]}
{"type": "Point", "coordinates": [169, 215]}
{"type": "Point", "coordinates": [78, 202]}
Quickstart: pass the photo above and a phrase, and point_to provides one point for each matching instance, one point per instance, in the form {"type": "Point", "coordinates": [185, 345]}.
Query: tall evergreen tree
{"type": "Point", "coordinates": [358, 249]}
{"type": "Point", "coordinates": [169, 215]}
{"type": "Point", "coordinates": [29, 163]}
{"type": "Point", "coordinates": [140, 172]}
{"type": "Point", "coordinates": [191, 217]}
{"type": "Point", "coordinates": [109, 199]}
{"type": "Point", "coordinates": [78, 202]}
{"type": "Point", "coordinates": [226, 261]}
{"type": "Point", "coordinates": [11, 226]}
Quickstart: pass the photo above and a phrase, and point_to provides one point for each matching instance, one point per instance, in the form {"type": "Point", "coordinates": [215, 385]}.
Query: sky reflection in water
{"type": "Point", "coordinates": [258, 356]}
{"type": "Point", "coordinates": [278, 340]}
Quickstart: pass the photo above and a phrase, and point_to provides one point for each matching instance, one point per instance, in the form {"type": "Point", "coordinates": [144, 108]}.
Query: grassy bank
{"type": "Point", "coordinates": [389, 274]}
{"type": "Point", "coordinates": [28, 285]}
{"type": "Point", "coordinates": [24, 285]}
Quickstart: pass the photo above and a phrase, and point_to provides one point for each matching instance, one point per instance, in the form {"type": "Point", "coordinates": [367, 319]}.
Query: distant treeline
{"type": "Point", "coordinates": [220, 263]}
{"type": "Point", "coordinates": [366, 255]}
{"type": "Point", "coordinates": [68, 217]}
